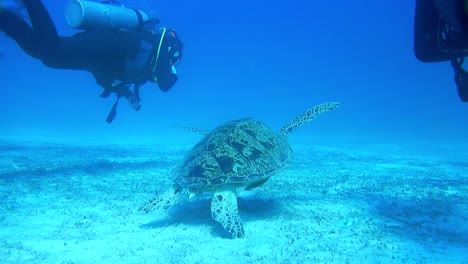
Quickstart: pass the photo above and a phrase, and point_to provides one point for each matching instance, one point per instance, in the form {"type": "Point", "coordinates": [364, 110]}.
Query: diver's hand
{"type": "Point", "coordinates": [134, 102]}
{"type": "Point", "coordinates": [122, 90]}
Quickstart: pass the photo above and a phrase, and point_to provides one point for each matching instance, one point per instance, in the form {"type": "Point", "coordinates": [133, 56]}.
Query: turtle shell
{"type": "Point", "coordinates": [238, 152]}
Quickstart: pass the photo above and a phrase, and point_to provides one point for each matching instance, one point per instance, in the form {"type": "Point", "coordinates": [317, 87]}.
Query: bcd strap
{"type": "Point", "coordinates": [140, 19]}
{"type": "Point", "coordinates": [461, 78]}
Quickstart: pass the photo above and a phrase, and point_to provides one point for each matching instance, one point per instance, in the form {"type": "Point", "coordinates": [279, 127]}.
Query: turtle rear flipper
{"type": "Point", "coordinates": [307, 116]}
{"type": "Point", "coordinates": [224, 210]}
{"type": "Point", "coordinates": [195, 130]}
{"type": "Point", "coordinates": [161, 202]}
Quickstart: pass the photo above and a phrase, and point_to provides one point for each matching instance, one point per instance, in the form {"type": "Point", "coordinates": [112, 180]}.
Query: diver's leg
{"type": "Point", "coordinates": [426, 22]}
{"type": "Point", "coordinates": [46, 35]}
{"type": "Point", "coordinates": [40, 41]}
{"type": "Point", "coordinates": [16, 28]}
{"type": "Point", "coordinates": [41, 20]}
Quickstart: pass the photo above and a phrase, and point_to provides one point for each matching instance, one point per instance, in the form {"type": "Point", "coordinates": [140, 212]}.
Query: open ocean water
{"type": "Point", "coordinates": [382, 179]}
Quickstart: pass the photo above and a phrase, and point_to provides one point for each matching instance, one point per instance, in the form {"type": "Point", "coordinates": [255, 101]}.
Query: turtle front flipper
{"type": "Point", "coordinates": [307, 116]}
{"type": "Point", "coordinates": [224, 210]}
{"type": "Point", "coordinates": [161, 202]}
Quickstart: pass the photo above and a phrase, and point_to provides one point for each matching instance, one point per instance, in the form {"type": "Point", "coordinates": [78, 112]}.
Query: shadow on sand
{"type": "Point", "coordinates": [198, 212]}
{"type": "Point", "coordinates": [425, 220]}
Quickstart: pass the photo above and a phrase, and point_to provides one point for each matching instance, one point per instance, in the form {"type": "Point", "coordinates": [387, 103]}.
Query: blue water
{"type": "Point", "coordinates": [265, 59]}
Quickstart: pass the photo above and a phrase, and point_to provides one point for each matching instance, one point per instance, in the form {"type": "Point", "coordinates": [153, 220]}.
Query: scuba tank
{"type": "Point", "coordinates": [159, 50]}
{"type": "Point", "coordinates": [82, 14]}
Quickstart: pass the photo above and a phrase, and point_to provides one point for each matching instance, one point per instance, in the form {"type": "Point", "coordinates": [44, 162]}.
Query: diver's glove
{"type": "Point", "coordinates": [134, 101]}
{"type": "Point", "coordinates": [117, 87]}
{"type": "Point", "coordinates": [123, 90]}
{"type": "Point", "coordinates": [133, 98]}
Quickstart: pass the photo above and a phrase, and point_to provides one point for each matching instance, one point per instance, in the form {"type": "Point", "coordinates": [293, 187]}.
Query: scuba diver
{"type": "Point", "coordinates": [441, 34]}
{"type": "Point", "coordinates": [119, 46]}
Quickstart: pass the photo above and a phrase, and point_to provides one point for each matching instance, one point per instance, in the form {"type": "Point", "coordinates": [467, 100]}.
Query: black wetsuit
{"type": "Point", "coordinates": [431, 46]}
{"type": "Point", "coordinates": [103, 52]}
{"type": "Point", "coordinates": [427, 44]}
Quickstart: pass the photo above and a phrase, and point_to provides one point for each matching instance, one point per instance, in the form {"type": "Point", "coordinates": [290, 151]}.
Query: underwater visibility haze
{"type": "Point", "coordinates": [381, 179]}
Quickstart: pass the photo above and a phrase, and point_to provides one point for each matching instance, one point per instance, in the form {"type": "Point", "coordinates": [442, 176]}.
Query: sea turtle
{"type": "Point", "coordinates": [242, 153]}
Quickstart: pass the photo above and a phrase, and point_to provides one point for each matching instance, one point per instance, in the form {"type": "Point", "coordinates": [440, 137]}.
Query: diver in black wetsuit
{"type": "Point", "coordinates": [117, 58]}
{"type": "Point", "coordinates": [441, 34]}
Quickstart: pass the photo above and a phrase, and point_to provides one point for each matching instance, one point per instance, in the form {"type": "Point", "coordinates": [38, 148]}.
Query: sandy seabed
{"type": "Point", "coordinates": [347, 203]}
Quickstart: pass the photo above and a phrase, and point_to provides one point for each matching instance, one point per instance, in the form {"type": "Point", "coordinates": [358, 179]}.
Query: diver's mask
{"type": "Point", "coordinates": [175, 47]}
{"type": "Point", "coordinates": [169, 54]}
